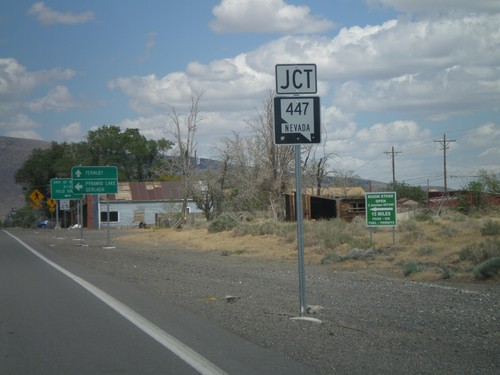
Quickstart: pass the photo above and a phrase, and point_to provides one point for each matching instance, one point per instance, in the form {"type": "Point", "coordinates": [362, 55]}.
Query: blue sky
{"type": "Point", "coordinates": [396, 73]}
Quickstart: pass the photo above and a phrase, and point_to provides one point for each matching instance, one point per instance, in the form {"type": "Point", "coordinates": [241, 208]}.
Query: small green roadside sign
{"type": "Point", "coordinates": [95, 179]}
{"type": "Point", "coordinates": [381, 209]}
{"type": "Point", "coordinates": [62, 188]}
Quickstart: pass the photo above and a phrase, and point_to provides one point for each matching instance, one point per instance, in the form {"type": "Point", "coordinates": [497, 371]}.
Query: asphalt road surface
{"type": "Point", "coordinates": [59, 317]}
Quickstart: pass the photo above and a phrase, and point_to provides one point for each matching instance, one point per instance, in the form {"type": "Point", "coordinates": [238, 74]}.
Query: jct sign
{"type": "Point", "coordinates": [381, 209]}
{"type": "Point", "coordinates": [296, 79]}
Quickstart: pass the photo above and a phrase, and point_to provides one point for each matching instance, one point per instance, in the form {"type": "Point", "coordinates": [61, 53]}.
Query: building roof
{"type": "Point", "coordinates": [148, 191]}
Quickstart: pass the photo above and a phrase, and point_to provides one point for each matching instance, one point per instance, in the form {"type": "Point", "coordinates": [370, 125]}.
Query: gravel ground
{"type": "Point", "coordinates": [370, 324]}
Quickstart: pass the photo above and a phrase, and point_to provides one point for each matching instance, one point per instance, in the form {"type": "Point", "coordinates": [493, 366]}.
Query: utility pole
{"type": "Point", "coordinates": [393, 153]}
{"type": "Point", "coordinates": [444, 144]}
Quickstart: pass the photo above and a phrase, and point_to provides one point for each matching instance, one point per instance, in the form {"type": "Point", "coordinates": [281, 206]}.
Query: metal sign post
{"type": "Point", "coordinates": [297, 122]}
{"type": "Point", "coordinates": [300, 230]}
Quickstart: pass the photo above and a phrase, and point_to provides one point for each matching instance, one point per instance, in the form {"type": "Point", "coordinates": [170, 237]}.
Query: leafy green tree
{"type": "Point", "coordinates": [135, 157]}
{"type": "Point", "coordinates": [45, 164]}
{"type": "Point", "coordinates": [490, 182]}
{"type": "Point", "coordinates": [133, 154]}
{"type": "Point", "coordinates": [404, 190]}
{"type": "Point", "coordinates": [25, 218]}
{"type": "Point", "coordinates": [475, 192]}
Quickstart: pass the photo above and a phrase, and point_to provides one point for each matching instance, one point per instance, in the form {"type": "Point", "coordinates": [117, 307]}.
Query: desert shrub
{"type": "Point", "coordinates": [356, 254]}
{"type": "Point", "coordinates": [25, 218]}
{"type": "Point", "coordinates": [446, 272]}
{"type": "Point", "coordinates": [480, 252]}
{"type": "Point", "coordinates": [362, 243]}
{"type": "Point", "coordinates": [487, 269]}
{"type": "Point", "coordinates": [425, 250]}
{"type": "Point", "coordinates": [408, 226]}
{"type": "Point", "coordinates": [448, 231]}
{"type": "Point", "coordinates": [333, 233]}
{"type": "Point", "coordinates": [332, 258]}
{"type": "Point", "coordinates": [490, 228]}
{"type": "Point", "coordinates": [358, 224]}
{"type": "Point", "coordinates": [411, 267]}
{"type": "Point", "coordinates": [288, 232]}
{"type": "Point", "coordinates": [423, 216]}
{"type": "Point", "coordinates": [260, 228]}
{"type": "Point", "coordinates": [222, 223]}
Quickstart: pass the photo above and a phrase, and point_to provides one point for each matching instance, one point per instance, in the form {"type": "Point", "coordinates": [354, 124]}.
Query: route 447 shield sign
{"type": "Point", "coordinates": [297, 120]}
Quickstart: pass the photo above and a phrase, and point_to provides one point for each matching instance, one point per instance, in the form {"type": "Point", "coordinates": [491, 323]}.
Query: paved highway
{"type": "Point", "coordinates": [57, 317]}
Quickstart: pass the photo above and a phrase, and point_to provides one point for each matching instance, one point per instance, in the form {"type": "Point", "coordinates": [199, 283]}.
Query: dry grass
{"type": "Point", "coordinates": [427, 249]}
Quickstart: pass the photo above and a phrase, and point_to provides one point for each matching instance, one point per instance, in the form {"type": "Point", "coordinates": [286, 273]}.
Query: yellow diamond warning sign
{"type": "Point", "coordinates": [36, 196]}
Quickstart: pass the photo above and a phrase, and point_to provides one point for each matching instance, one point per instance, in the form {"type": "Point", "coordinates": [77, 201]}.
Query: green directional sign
{"type": "Point", "coordinates": [381, 210]}
{"type": "Point", "coordinates": [95, 179]}
{"type": "Point", "coordinates": [62, 188]}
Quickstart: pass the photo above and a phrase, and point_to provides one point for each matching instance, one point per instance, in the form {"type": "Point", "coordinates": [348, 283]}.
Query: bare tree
{"type": "Point", "coordinates": [315, 169]}
{"type": "Point", "coordinates": [344, 179]}
{"type": "Point", "coordinates": [237, 175]}
{"type": "Point", "coordinates": [184, 132]}
{"type": "Point", "coordinates": [272, 163]}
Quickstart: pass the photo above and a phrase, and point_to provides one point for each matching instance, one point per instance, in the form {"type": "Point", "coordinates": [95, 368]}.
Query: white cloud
{"type": "Point", "coordinates": [47, 16]}
{"type": "Point", "coordinates": [70, 133]}
{"type": "Point", "coordinates": [58, 99]}
{"type": "Point", "coordinates": [16, 81]}
{"type": "Point", "coordinates": [426, 6]}
{"type": "Point", "coordinates": [484, 136]}
{"type": "Point", "coordinates": [150, 44]}
{"type": "Point", "coordinates": [20, 126]}
{"type": "Point", "coordinates": [227, 84]}
{"type": "Point", "coordinates": [393, 132]}
{"type": "Point", "coordinates": [266, 16]}
{"type": "Point", "coordinates": [438, 68]}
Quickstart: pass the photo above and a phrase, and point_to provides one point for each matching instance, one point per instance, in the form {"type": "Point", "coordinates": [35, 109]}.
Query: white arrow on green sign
{"type": "Point", "coordinates": [381, 209]}
{"type": "Point", "coordinates": [95, 179]}
{"type": "Point", "coordinates": [62, 188]}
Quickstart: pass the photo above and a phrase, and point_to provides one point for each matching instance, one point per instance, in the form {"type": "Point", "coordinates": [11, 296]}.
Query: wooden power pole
{"type": "Point", "coordinates": [393, 153]}
{"type": "Point", "coordinates": [444, 144]}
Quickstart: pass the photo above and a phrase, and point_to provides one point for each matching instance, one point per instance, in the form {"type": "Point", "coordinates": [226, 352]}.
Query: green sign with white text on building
{"type": "Point", "coordinates": [381, 209]}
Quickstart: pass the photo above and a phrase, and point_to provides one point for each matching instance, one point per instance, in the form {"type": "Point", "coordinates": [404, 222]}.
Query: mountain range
{"type": "Point", "coordinates": [13, 153]}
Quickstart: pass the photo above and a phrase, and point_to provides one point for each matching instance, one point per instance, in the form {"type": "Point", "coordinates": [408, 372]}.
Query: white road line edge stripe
{"type": "Point", "coordinates": [188, 355]}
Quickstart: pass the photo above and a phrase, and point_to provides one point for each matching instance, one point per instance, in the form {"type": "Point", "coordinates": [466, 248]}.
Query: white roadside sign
{"type": "Point", "coordinates": [296, 79]}
{"type": "Point", "coordinates": [296, 120]}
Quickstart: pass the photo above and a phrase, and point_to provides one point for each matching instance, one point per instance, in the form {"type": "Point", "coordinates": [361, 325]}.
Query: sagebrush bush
{"type": "Point", "coordinates": [490, 228]}
{"type": "Point", "coordinates": [423, 216]}
{"type": "Point", "coordinates": [330, 234]}
{"type": "Point", "coordinates": [480, 252]}
{"type": "Point", "coordinates": [409, 225]}
{"type": "Point", "coordinates": [222, 223]}
{"type": "Point", "coordinates": [332, 258]}
{"type": "Point", "coordinates": [258, 229]}
{"type": "Point", "coordinates": [487, 268]}
{"type": "Point", "coordinates": [425, 250]}
{"type": "Point", "coordinates": [411, 267]}
{"type": "Point", "coordinates": [446, 272]}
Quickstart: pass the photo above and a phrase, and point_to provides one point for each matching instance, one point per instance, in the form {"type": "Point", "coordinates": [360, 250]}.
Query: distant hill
{"type": "Point", "coordinates": [13, 153]}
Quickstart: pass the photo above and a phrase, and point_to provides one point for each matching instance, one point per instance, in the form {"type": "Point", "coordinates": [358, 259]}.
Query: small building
{"type": "Point", "coordinates": [343, 203]}
{"type": "Point", "coordinates": [138, 204]}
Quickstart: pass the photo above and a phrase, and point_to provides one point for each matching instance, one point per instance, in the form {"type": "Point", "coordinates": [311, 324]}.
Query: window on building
{"type": "Point", "coordinates": [113, 216]}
